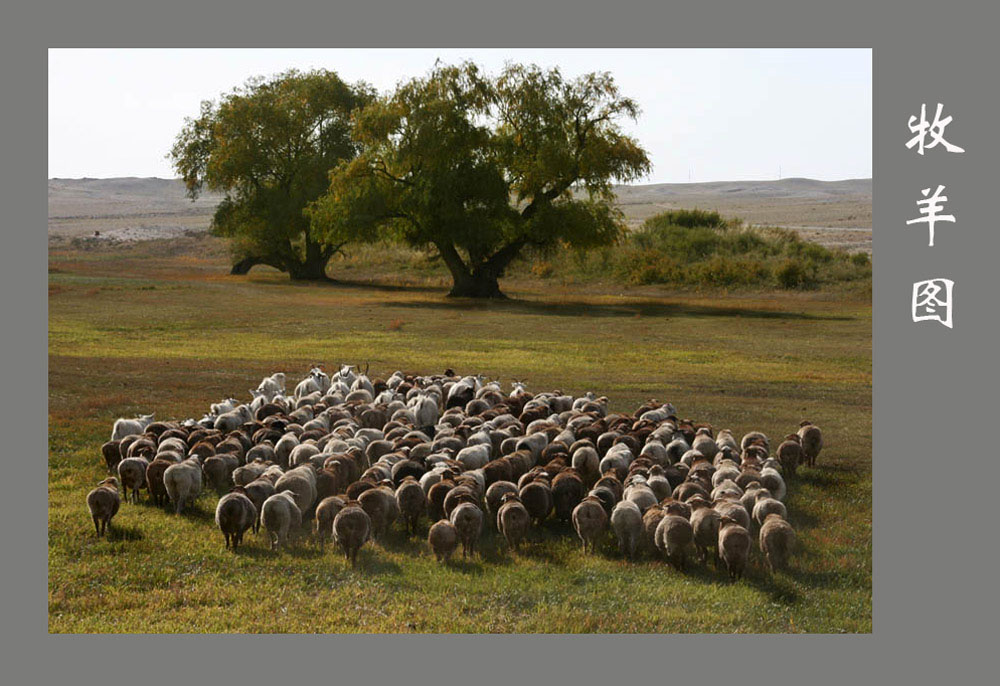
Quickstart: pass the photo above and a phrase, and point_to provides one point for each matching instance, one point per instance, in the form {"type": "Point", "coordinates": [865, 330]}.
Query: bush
{"type": "Point", "coordinates": [792, 273]}
{"type": "Point", "coordinates": [689, 219]}
{"type": "Point", "coordinates": [543, 269]}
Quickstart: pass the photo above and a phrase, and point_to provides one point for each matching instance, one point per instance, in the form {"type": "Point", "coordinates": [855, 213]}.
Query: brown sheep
{"type": "Point", "coordinates": [103, 503]}
{"type": "Point", "coordinates": [567, 492]}
{"type": "Point", "coordinates": [326, 511]}
{"type": "Point", "coordinates": [218, 470]}
{"type": "Point", "coordinates": [494, 498]}
{"type": "Point", "coordinates": [234, 514]}
{"type": "Point", "coordinates": [651, 519]}
{"type": "Point", "coordinates": [467, 519]}
{"type": "Point", "coordinates": [258, 490]}
{"type": "Point", "coordinates": [380, 505]}
{"type": "Point", "coordinates": [674, 534]}
{"type": "Point", "coordinates": [132, 474]}
{"type": "Point", "coordinates": [461, 492]}
{"type": "Point", "coordinates": [154, 480]}
{"type": "Point", "coordinates": [352, 528]}
{"type": "Point", "coordinates": [443, 539]}
{"type": "Point", "coordinates": [734, 546]}
{"type": "Point", "coordinates": [411, 502]}
{"type": "Point", "coordinates": [777, 540]}
{"type": "Point", "coordinates": [112, 456]}
{"type": "Point", "coordinates": [590, 521]}
{"type": "Point", "coordinates": [513, 519]}
{"type": "Point", "coordinates": [789, 453]}
{"type": "Point", "coordinates": [537, 499]}
{"type": "Point", "coordinates": [812, 441]}
{"type": "Point", "coordinates": [705, 523]}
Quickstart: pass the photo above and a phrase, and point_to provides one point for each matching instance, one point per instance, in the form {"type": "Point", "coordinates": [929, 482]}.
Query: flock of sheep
{"type": "Point", "coordinates": [355, 455]}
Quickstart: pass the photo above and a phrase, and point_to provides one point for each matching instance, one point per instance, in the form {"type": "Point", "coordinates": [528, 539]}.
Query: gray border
{"type": "Point", "coordinates": [934, 554]}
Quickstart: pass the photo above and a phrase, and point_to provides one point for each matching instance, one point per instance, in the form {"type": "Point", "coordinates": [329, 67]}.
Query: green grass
{"type": "Point", "coordinates": [136, 329]}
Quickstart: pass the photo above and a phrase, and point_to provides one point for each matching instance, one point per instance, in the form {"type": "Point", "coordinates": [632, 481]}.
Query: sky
{"type": "Point", "coordinates": [707, 115]}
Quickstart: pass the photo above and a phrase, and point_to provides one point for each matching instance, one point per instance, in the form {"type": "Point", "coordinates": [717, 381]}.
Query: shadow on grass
{"type": "Point", "coordinates": [123, 532]}
{"type": "Point", "coordinates": [646, 308]}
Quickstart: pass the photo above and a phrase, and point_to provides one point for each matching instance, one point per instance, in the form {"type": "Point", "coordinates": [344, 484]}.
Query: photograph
{"type": "Point", "coordinates": [467, 340]}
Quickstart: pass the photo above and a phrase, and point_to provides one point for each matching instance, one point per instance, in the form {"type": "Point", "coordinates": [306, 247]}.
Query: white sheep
{"type": "Point", "coordinates": [183, 482]}
{"type": "Point", "coordinates": [281, 518]}
{"type": "Point", "coordinates": [126, 427]}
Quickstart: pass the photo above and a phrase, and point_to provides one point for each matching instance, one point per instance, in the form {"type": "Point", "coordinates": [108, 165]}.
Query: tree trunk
{"type": "Point", "coordinates": [312, 268]}
{"type": "Point", "coordinates": [478, 284]}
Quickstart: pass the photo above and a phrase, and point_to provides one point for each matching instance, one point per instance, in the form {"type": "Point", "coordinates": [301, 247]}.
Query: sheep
{"type": "Point", "coordinates": [411, 502]}
{"type": "Point", "coordinates": [772, 481]}
{"type": "Point", "coordinates": [733, 509]}
{"type": "Point", "coordinates": [183, 482]}
{"type": "Point", "coordinates": [587, 463]}
{"type": "Point", "coordinates": [442, 539]}
{"type": "Point", "coordinates": [755, 438]}
{"type": "Point", "coordinates": [301, 481]}
{"type": "Point", "coordinates": [626, 521]}
{"type": "Point", "coordinates": [259, 490]}
{"type": "Point", "coordinates": [283, 449]}
{"type": "Point", "coordinates": [230, 421]}
{"type": "Point", "coordinates": [705, 523]}
{"type": "Point", "coordinates": [537, 499]}
{"type": "Point", "coordinates": [132, 475]}
{"type": "Point", "coordinates": [281, 518]}
{"type": "Point", "coordinates": [112, 456]}
{"type": "Point", "coordinates": [789, 453]}
{"type": "Point", "coordinates": [733, 546]}
{"type": "Point", "coordinates": [650, 522]}
{"type": "Point", "coordinates": [766, 505]}
{"type": "Point", "coordinates": [218, 470]}
{"type": "Point", "coordinates": [103, 503]}
{"type": "Point", "coordinates": [812, 441]}
{"type": "Point", "coordinates": [380, 505]}
{"type": "Point", "coordinates": [494, 497]}
{"type": "Point", "coordinates": [705, 444]}
{"type": "Point", "coordinates": [777, 540]}
{"type": "Point", "coordinates": [673, 536]}
{"type": "Point", "coordinates": [271, 386]}
{"type": "Point", "coordinates": [127, 427]}
{"type": "Point", "coordinates": [642, 495]}
{"type": "Point", "coordinates": [513, 520]}
{"type": "Point", "coordinates": [567, 492]}
{"type": "Point", "coordinates": [351, 530]}
{"type": "Point", "coordinates": [234, 514]}
{"type": "Point", "coordinates": [154, 479]}
{"type": "Point", "coordinates": [467, 519]}
{"type": "Point", "coordinates": [590, 521]}
{"type": "Point", "coordinates": [326, 511]}
{"type": "Point", "coordinates": [249, 472]}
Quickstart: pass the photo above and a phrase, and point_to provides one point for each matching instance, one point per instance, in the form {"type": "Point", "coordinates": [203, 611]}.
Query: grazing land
{"type": "Point", "coordinates": [836, 214]}
{"type": "Point", "coordinates": [161, 326]}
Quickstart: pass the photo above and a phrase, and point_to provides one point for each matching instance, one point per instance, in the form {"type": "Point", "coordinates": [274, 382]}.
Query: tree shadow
{"type": "Point", "coordinates": [643, 308]}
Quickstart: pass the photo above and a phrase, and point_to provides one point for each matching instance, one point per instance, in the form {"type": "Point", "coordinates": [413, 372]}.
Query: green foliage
{"type": "Point", "coordinates": [479, 168]}
{"type": "Point", "coordinates": [695, 248]}
{"type": "Point", "coordinates": [687, 218]}
{"type": "Point", "coordinates": [268, 146]}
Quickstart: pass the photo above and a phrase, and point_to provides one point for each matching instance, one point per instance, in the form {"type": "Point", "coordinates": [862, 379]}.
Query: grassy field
{"type": "Point", "coordinates": [165, 328]}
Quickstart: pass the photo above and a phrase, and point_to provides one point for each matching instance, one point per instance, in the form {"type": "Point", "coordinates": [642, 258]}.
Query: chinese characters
{"type": "Point", "coordinates": [932, 299]}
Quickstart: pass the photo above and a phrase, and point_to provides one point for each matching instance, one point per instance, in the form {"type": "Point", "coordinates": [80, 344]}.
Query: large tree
{"type": "Point", "coordinates": [269, 146]}
{"type": "Point", "coordinates": [481, 168]}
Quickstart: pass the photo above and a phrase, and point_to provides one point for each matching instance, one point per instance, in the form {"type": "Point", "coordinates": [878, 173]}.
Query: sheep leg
{"type": "Point", "coordinates": [97, 526]}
